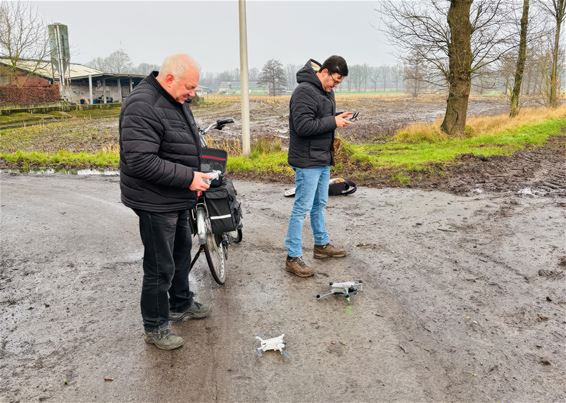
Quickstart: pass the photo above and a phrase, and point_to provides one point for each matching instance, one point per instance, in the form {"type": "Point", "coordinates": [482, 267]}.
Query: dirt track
{"type": "Point", "coordinates": [464, 300]}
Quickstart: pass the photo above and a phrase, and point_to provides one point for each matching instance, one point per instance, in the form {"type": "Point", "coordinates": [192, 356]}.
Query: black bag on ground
{"type": "Point", "coordinates": [341, 187]}
{"type": "Point", "coordinates": [224, 209]}
{"type": "Point", "coordinates": [336, 187]}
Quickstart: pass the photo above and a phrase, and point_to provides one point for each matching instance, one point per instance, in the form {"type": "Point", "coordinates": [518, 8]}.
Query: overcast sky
{"type": "Point", "coordinates": [290, 31]}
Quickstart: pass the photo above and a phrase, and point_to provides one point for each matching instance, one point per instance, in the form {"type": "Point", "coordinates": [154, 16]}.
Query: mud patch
{"type": "Point", "coordinates": [529, 173]}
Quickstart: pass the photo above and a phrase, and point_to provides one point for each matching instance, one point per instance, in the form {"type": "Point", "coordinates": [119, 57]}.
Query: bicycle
{"type": "Point", "coordinates": [214, 246]}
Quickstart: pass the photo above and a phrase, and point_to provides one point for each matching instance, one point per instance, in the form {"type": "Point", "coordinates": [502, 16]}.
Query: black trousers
{"type": "Point", "coordinates": [167, 244]}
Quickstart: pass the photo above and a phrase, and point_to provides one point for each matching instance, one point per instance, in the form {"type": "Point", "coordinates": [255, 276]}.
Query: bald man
{"type": "Point", "coordinates": [159, 180]}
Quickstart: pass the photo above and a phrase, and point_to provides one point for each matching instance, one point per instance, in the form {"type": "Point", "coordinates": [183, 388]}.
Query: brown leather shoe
{"type": "Point", "coordinates": [328, 250]}
{"type": "Point", "coordinates": [298, 267]}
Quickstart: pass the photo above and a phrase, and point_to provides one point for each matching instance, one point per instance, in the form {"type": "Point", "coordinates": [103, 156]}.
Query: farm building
{"type": "Point", "coordinates": [32, 82]}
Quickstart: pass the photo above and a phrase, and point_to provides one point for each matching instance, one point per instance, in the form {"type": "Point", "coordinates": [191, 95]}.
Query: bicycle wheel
{"type": "Point", "coordinates": [215, 254]}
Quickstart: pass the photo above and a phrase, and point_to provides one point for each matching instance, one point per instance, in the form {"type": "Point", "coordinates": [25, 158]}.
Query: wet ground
{"type": "Point", "coordinates": [537, 170]}
{"type": "Point", "coordinates": [464, 299]}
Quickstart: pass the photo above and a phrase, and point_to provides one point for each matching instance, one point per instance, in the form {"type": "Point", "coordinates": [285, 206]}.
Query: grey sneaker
{"type": "Point", "coordinates": [163, 339]}
{"type": "Point", "coordinates": [195, 311]}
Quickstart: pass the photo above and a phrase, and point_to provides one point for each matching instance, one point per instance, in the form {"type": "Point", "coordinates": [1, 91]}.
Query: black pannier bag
{"type": "Point", "coordinates": [224, 209]}
{"type": "Point", "coordinates": [213, 159]}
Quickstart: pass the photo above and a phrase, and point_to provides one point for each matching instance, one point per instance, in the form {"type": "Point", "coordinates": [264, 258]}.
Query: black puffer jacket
{"type": "Point", "coordinates": [311, 121]}
{"type": "Point", "coordinates": [159, 150]}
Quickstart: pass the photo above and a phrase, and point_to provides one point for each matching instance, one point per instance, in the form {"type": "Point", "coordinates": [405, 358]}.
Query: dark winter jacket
{"type": "Point", "coordinates": [311, 121]}
{"type": "Point", "coordinates": [159, 150]}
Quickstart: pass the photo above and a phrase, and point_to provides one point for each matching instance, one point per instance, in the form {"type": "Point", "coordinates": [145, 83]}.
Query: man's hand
{"type": "Point", "coordinates": [341, 119]}
{"type": "Point", "coordinates": [201, 182]}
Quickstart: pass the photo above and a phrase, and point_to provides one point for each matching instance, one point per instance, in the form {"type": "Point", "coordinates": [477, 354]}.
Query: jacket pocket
{"type": "Point", "coordinates": [319, 151]}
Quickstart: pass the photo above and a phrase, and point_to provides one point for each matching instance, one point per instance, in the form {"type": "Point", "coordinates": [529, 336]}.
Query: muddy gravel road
{"type": "Point", "coordinates": [464, 299]}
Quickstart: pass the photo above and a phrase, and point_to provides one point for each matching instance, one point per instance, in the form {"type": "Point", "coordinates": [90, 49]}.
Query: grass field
{"type": "Point", "coordinates": [89, 139]}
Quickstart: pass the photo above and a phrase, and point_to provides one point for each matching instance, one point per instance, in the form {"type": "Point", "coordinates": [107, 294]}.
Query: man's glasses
{"type": "Point", "coordinates": [336, 80]}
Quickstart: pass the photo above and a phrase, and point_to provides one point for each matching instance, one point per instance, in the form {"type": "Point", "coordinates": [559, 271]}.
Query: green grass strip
{"type": "Point", "coordinates": [62, 160]}
{"type": "Point", "coordinates": [35, 118]}
{"type": "Point", "coordinates": [275, 162]}
{"type": "Point", "coordinates": [395, 154]}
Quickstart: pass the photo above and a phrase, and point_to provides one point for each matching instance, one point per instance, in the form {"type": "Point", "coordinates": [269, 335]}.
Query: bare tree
{"type": "Point", "coordinates": [459, 71]}
{"type": "Point", "coordinates": [414, 73]}
{"type": "Point", "coordinates": [521, 59]}
{"type": "Point", "coordinates": [118, 62]}
{"type": "Point", "coordinates": [208, 79]}
{"type": "Point", "coordinates": [97, 63]}
{"type": "Point", "coordinates": [273, 76]}
{"type": "Point", "coordinates": [537, 67]}
{"type": "Point", "coordinates": [458, 38]}
{"type": "Point", "coordinates": [540, 56]}
{"type": "Point", "coordinates": [537, 43]}
{"type": "Point", "coordinates": [224, 81]}
{"type": "Point", "coordinates": [365, 72]}
{"type": "Point", "coordinates": [357, 75]}
{"type": "Point", "coordinates": [253, 74]}
{"type": "Point", "coordinates": [557, 10]}
{"type": "Point", "coordinates": [505, 74]}
{"type": "Point", "coordinates": [486, 78]}
{"type": "Point", "coordinates": [23, 36]}
{"type": "Point", "coordinates": [384, 76]}
{"type": "Point", "coordinates": [422, 27]}
{"type": "Point", "coordinates": [374, 76]}
{"type": "Point", "coordinates": [145, 68]}
{"type": "Point", "coordinates": [397, 75]}
{"type": "Point", "coordinates": [291, 70]}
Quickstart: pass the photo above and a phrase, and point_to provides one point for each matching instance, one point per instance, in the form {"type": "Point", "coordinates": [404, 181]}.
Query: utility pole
{"type": "Point", "coordinates": [244, 92]}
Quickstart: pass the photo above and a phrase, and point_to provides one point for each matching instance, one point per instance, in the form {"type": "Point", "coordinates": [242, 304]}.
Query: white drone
{"type": "Point", "coordinates": [275, 344]}
{"type": "Point", "coordinates": [344, 289]}
{"type": "Point", "coordinates": [214, 175]}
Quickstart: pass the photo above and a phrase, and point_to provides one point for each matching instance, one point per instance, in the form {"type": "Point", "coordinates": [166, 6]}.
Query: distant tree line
{"type": "Point", "coordinates": [277, 79]}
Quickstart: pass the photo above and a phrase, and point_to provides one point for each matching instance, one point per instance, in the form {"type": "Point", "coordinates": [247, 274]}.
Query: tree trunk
{"type": "Point", "coordinates": [460, 64]}
{"type": "Point", "coordinates": [515, 95]}
{"type": "Point", "coordinates": [553, 98]}
{"type": "Point", "coordinates": [527, 90]}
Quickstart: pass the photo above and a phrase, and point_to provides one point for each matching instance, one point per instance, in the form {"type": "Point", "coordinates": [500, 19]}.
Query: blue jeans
{"type": "Point", "coordinates": [311, 195]}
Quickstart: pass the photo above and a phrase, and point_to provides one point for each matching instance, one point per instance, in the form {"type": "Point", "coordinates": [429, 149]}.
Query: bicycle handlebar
{"type": "Point", "coordinates": [218, 125]}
